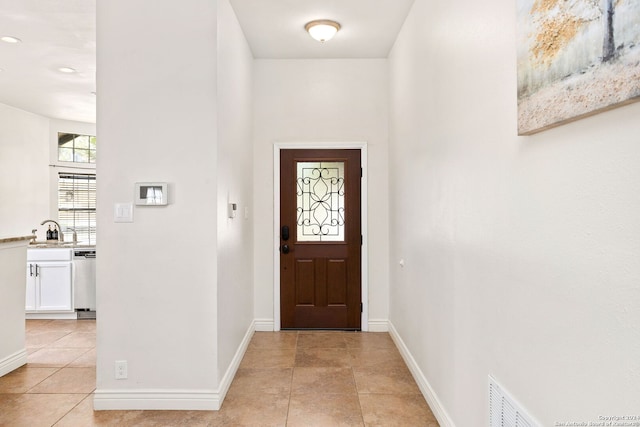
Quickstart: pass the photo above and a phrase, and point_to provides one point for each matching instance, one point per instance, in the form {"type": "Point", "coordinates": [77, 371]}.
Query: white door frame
{"type": "Point", "coordinates": [277, 147]}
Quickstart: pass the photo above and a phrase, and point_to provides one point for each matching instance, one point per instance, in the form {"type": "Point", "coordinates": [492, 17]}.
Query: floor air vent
{"type": "Point", "coordinates": [504, 411]}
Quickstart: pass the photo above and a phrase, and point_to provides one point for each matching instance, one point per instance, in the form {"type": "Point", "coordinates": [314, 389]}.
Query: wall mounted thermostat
{"type": "Point", "coordinates": [151, 193]}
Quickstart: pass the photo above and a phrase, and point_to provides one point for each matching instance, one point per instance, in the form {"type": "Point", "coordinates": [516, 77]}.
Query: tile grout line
{"type": "Point", "coordinates": [74, 407]}
{"type": "Point", "coordinates": [293, 368]}
{"type": "Point", "coordinates": [58, 369]}
{"type": "Point", "coordinates": [43, 380]}
{"type": "Point", "coordinates": [355, 384]}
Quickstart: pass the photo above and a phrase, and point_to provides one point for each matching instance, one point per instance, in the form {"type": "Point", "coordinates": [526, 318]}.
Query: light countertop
{"type": "Point", "coordinates": [15, 239]}
{"type": "Point", "coordinates": [49, 244]}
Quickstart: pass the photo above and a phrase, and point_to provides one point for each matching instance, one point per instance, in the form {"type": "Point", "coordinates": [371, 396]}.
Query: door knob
{"type": "Point", "coordinates": [285, 249]}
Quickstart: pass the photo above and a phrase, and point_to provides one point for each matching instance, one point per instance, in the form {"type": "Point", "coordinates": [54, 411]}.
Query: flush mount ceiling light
{"type": "Point", "coordinates": [322, 29]}
{"type": "Point", "coordinates": [67, 70]}
{"type": "Point", "coordinates": [10, 39]}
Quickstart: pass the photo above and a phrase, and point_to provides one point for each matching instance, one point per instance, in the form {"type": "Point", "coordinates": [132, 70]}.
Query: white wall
{"type": "Point", "coordinates": [24, 171]}
{"type": "Point", "coordinates": [235, 185]}
{"type": "Point", "coordinates": [320, 101]}
{"type": "Point", "coordinates": [522, 253]}
{"type": "Point", "coordinates": [157, 277]}
{"type": "Point", "coordinates": [28, 184]}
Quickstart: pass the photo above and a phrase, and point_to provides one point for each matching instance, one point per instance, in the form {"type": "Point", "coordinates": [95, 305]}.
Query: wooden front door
{"type": "Point", "coordinates": [320, 239]}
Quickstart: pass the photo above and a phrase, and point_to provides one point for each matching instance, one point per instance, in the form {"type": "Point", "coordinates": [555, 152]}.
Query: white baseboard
{"type": "Point", "coordinates": [13, 362]}
{"type": "Point", "coordinates": [227, 379]}
{"type": "Point", "coordinates": [264, 325]}
{"type": "Point", "coordinates": [427, 391]}
{"type": "Point", "coordinates": [53, 316]}
{"type": "Point", "coordinates": [177, 400]}
{"type": "Point", "coordinates": [378, 325]}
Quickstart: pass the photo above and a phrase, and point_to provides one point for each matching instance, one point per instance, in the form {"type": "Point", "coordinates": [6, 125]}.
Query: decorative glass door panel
{"type": "Point", "coordinates": [320, 197]}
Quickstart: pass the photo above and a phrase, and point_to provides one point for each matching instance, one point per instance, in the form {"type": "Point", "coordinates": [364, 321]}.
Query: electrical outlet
{"type": "Point", "coordinates": [121, 369]}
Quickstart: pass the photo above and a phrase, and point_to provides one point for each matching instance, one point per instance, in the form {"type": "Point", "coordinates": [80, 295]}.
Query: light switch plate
{"type": "Point", "coordinates": [123, 212]}
{"type": "Point", "coordinates": [231, 210]}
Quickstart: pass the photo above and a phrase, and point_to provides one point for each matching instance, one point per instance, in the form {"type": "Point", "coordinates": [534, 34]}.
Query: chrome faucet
{"type": "Point", "coordinates": [75, 235]}
{"type": "Point", "coordinates": [60, 235]}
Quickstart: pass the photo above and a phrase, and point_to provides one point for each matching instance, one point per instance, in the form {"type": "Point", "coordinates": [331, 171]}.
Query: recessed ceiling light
{"type": "Point", "coordinates": [10, 39]}
{"type": "Point", "coordinates": [93, 93]}
{"type": "Point", "coordinates": [322, 29]}
{"type": "Point", "coordinates": [67, 70]}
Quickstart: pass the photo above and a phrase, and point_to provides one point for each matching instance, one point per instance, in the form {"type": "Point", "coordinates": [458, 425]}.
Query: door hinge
{"type": "Point", "coordinates": [361, 173]}
{"type": "Point", "coordinates": [361, 307]}
{"type": "Point", "coordinates": [361, 240]}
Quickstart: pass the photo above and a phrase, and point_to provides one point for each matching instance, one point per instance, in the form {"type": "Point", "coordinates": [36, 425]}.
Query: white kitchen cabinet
{"type": "Point", "coordinates": [49, 281]}
{"type": "Point", "coordinates": [31, 288]}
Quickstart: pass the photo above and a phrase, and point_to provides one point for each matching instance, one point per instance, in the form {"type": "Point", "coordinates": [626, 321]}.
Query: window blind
{"type": "Point", "coordinates": [77, 206]}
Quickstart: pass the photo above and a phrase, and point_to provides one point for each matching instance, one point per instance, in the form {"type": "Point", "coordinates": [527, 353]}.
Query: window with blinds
{"type": "Point", "coordinates": [77, 206]}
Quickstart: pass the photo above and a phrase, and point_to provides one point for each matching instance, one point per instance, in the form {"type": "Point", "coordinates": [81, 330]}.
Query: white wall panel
{"type": "Point", "coordinates": [157, 121]}
{"type": "Point", "coordinates": [24, 171]}
{"type": "Point", "coordinates": [235, 184]}
{"type": "Point", "coordinates": [522, 254]}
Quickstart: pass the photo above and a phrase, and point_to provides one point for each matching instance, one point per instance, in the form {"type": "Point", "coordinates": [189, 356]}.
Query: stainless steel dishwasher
{"type": "Point", "coordinates": [84, 282]}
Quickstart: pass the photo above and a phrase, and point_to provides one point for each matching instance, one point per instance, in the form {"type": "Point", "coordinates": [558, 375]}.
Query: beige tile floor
{"type": "Point", "coordinates": [285, 379]}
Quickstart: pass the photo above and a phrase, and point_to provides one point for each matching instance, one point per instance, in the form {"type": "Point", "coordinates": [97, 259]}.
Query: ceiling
{"type": "Point", "coordinates": [62, 33]}
{"type": "Point", "coordinates": [275, 28]}
{"type": "Point", "coordinates": [54, 34]}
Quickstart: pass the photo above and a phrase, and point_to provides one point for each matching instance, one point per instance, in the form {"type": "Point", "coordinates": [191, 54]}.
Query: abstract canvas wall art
{"type": "Point", "coordinates": [575, 58]}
